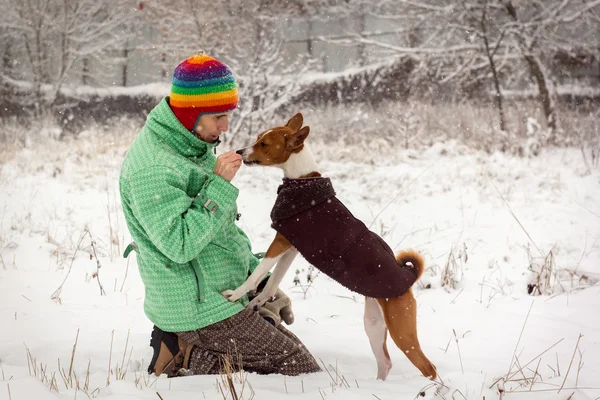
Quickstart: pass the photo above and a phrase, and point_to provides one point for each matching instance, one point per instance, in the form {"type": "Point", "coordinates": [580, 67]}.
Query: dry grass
{"type": "Point", "coordinates": [453, 271]}
{"type": "Point", "coordinates": [543, 274]}
{"type": "Point", "coordinates": [521, 378]}
{"type": "Point", "coordinates": [416, 125]}
{"type": "Point", "coordinates": [67, 377]}
{"type": "Point", "coordinates": [3, 239]}
{"type": "Point", "coordinates": [311, 277]}
{"type": "Point", "coordinates": [92, 159]}
{"type": "Point", "coordinates": [8, 152]}
{"type": "Point", "coordinates": [92, 255]}
{"type": "Point", "coordinates": [54, 150]}
{"type": "Point", "coordinates": [114, 212]}
{"type": "Point", "coordinates": [524, 378]}
{"type": "Point", "coordinates": [12, 136]}
{"type": "Point", "coordinates": [383, 130]}
{"type": "Point", "coordinates": [234, 382]}
{"type": "Point", "coordinates": [547, 279]}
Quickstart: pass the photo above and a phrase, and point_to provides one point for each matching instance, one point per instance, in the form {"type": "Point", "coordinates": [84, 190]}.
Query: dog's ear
{"type": "Point", "coordinates": [297, 139]}
{"type": "Point", "coordinates": [295, 123]}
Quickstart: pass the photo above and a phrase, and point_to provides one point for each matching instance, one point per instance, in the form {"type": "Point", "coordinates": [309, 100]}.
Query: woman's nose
{"type": "Point", "coordinates": [224, 124]}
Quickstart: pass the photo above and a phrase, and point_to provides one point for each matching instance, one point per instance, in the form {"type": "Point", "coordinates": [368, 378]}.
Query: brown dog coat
{"type": "Point", "coordinates": [309, 215]}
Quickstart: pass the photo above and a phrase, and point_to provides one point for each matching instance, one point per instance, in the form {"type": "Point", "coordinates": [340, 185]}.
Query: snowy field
{"type": "Point", "coordinates": [480, 220]}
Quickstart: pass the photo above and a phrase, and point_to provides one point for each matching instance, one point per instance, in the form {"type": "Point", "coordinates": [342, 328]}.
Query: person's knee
{"type": "Point", "coordinates": [298, 362]}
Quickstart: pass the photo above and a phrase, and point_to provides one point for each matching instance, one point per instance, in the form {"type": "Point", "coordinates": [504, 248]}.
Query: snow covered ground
{"type": "Point", "coordinates": [479, 214]}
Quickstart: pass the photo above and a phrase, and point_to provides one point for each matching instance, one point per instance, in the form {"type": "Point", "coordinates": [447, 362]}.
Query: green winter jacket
{"type": "Point", "coordinates": [182, 218]}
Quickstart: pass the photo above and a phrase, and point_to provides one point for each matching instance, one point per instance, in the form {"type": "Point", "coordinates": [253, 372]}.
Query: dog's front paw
{"type": "Point", "coordinates": [259, 300]}
{"type": "Point", "coordinates": [233, 295]}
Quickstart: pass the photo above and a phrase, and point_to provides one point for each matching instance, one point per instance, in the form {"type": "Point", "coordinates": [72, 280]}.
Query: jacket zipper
{"type": "Point", "coordinates": [217, 142]}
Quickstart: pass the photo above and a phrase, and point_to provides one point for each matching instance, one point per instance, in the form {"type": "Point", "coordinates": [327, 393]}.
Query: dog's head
{"type": "Point", "coordinates": [275, 146]}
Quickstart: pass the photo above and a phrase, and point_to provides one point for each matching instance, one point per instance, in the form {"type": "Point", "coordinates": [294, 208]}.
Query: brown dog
{"type": "Point", "coordinates": [310, 220]}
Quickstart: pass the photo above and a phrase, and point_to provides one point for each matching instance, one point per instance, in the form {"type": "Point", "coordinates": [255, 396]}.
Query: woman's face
{"type": "Point", "coordinates": [210, 126]}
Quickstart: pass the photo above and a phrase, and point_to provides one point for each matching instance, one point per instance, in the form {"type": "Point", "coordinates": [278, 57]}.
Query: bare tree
{"type": "Point", "coordinates": [480, 18]}
{"type": "Point", "coordinates": [542, 28]}
{"type": "Point", "coordinates": [490, 50]}
{"type": "Point", "coordinates": [56, 34]}
{"type": "Point", "coordinates": [182, 28]}
{"type": "Point", "coordinates": [6, 44]}
{"type": "Point", "coordinates": [243, 34]}
{"type": "Point", "coordinates": [462, 41]}
{"type": "Point", "coordinates": [266, 86]}
{"type": "Point", "coordinates": [471, 41]}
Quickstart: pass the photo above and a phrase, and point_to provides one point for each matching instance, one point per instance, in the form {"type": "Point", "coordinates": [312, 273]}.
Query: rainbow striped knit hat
{"type": "Point", "coordinates": [202, 85]}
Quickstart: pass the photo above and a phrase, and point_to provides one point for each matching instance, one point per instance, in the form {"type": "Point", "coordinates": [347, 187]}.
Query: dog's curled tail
{"type": "Point", "coordinates": [412, 260]}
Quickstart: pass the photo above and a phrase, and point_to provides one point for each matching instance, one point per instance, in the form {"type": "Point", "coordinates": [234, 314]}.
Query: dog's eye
{"type": "Point", "coordinates": [263, 144]}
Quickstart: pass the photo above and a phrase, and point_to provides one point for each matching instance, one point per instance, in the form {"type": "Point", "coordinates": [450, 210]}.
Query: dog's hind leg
{"type": "Point", "coordinates": [401, 319]}
{"type": "Point", "coordinates": [377, 332]}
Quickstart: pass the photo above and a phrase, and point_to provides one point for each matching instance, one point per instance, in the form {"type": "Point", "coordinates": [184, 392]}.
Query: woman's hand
{"type": "Point", "coordinates": [228, 165]}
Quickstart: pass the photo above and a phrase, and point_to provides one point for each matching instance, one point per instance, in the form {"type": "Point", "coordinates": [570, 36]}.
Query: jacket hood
{"type": "Point", "coordinates": [165, 124]}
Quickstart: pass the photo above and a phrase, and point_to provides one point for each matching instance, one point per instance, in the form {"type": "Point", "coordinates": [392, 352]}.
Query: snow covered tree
{"type": "Point", "coordinates": [266, 86]}
{"type": "Point", "coordinates": [473, 42]}
{"type": "Point", "coordinates": [462, 41]}
{"type": "Point", "coordinates": [543, 28]}
{"type": "Point", "coordinates": [49, 38]}
{"type": "Point", "coordinates": [243, 34]}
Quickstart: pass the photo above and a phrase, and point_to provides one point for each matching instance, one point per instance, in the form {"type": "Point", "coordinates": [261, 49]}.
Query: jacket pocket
{"type": "Point", "coordinates": [199, 280]}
